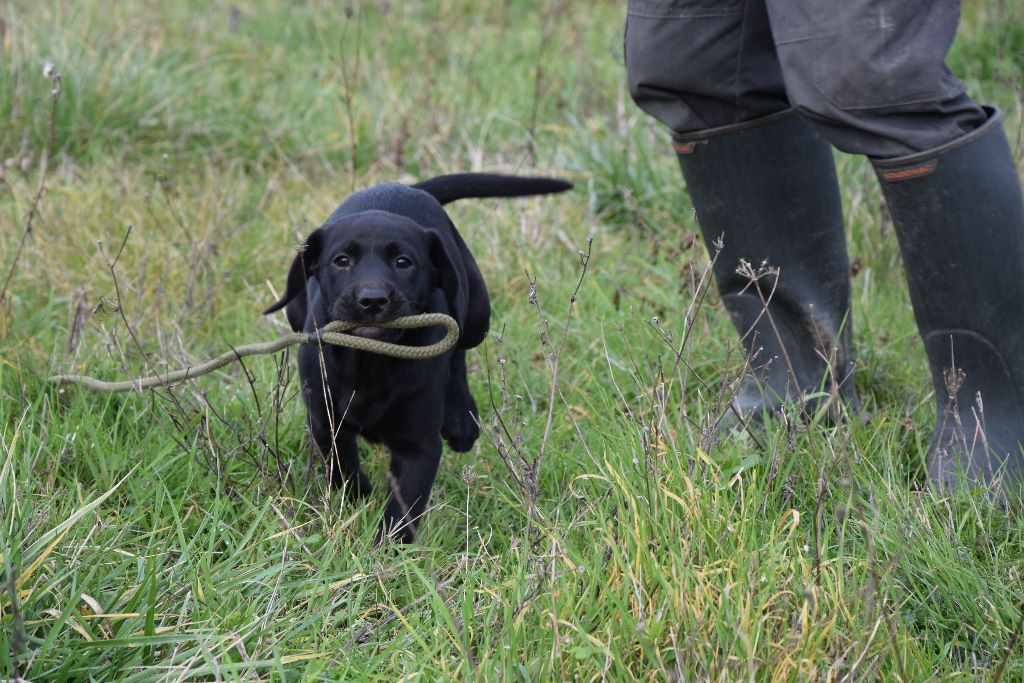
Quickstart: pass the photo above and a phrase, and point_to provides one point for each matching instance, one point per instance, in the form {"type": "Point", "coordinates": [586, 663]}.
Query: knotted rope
{"type": "Point", "coordinates": [331, 333]}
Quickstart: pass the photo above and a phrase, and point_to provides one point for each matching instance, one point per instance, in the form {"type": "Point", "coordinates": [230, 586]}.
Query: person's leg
{"type": "Point", "coordinates": [697, 65]}
{"type": "Point", "coordinates": [870, 75]}
{"type": "Point", "coordinates": [761, 180]}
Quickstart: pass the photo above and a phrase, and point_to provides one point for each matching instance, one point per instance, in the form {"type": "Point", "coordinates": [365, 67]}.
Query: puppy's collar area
{"type": "Point", "coordinates": [332, 333]}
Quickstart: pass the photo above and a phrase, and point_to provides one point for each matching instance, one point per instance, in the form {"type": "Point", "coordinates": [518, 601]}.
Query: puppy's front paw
{"type": "Point", "coordinates": [356, 487]}
{"type": "Point", "coordinates": [460, 429]}
{"type": "Point", "coordinates": [394, 533]}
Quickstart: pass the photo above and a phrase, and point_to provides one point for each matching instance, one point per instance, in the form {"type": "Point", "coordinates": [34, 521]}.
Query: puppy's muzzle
{"type": "Point", "coordinates": [373, 303]}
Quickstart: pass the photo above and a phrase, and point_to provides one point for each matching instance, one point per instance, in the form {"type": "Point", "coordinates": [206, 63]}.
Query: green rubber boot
{"type": "Point", "coordinates": [959, 218]}
{"type": "Point", "coordinates": [768, 189]}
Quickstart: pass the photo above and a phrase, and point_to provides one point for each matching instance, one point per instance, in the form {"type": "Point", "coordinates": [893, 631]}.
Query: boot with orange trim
{"type": "Point", "coordinates": [959, 217]}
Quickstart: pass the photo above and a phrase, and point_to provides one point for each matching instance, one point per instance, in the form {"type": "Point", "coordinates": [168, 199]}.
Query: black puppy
{"type": "Point", "coordinates": [386, 252]}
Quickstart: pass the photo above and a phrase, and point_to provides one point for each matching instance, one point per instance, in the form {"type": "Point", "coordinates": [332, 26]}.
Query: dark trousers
{"type": "Point", "coordinates": [870, 75]}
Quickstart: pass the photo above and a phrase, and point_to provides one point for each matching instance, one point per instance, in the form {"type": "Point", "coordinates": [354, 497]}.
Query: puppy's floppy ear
{"type": "Point", "coordinates": [451, 273]}
{"type": "Point", "coordinates": [303, 267]}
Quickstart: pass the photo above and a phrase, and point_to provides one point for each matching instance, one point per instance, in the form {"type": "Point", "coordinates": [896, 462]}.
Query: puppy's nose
{"type": "Point", "coordinates": [372, 300]}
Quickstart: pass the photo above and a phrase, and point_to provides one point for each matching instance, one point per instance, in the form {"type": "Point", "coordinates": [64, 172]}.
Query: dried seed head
{"type": "Point", "coordinates": [746, 270]}
{"type": "Point", "coordinates": [954, 379]}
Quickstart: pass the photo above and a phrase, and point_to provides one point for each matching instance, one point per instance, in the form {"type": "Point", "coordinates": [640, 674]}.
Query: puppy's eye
{"type": "Point", "coordinates": [342, 261]}
{"type": "Point", "coordinates": [403, 262]}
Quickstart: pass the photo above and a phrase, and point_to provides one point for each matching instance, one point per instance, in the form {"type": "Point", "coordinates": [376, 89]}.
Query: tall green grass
{"type": "Point", "coordinates": [595, 531]}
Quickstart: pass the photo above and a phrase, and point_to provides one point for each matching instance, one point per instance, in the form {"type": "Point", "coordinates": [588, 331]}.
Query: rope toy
{"type": "Point", "coordinates": [331, 333]}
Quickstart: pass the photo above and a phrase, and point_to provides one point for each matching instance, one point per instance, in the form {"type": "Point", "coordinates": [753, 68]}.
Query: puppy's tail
{"type": "Point", "coordinates": [448, 188]}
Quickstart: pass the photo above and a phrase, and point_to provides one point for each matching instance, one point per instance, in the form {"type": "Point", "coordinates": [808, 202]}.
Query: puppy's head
{"type": "Point", "coordinates": [371, 267]}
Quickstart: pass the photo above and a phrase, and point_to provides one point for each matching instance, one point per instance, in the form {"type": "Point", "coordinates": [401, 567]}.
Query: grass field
{"type": "Point", "coordinates": [593, 532]}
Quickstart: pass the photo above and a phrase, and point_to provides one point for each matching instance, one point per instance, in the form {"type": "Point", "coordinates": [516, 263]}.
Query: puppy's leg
{"type": "Point", "coordinates": [413, 468]}
{"type": "Point", "coordinates": [460, 429]}
{"type": "Point", "coordinates": [336, 444]}
{"type": "Point", "coordinates": [346, 471]}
